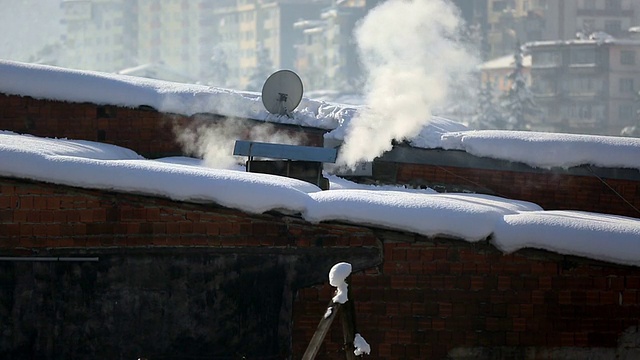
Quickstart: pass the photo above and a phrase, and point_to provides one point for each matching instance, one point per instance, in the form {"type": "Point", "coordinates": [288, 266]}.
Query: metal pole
{"type": "Point", "coordinates": [47, 258]}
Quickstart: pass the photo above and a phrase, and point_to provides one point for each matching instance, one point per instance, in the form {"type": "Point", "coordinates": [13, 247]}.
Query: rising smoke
{"type": "Point", "coordinates": [213, 141]}
{"type": "Point", "coordinates": [411, 51]}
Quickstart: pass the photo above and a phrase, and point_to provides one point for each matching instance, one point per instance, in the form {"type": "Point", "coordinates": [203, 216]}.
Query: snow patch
{"type": "Point", "coordinates": [361, 345]}
{"type": "Point", "coordinates": [337, 276]}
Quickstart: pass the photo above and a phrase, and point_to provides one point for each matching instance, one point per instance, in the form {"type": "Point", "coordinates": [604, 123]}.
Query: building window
{"type": "Point", "coordinates": [546, 59]}
{"type": "Point", "coordinates": [588, 25]}
{"type": "Point", "coordinates": [612, 27]}
{"type": "Point", "coordinates": [580, 111]}
{"type": "Point", "coordinates": [628, 57]}
{"type": "Point", "coordinates": [626, 85]}
{"type": "Point", "coordinates": [582, 85]}
{"type": "Point", "coordinates": [583, 56]}
{"type": "Point", "coordinates": [625, 112]}
{"type": "Point", "coordinates": [613, 5]}
{"type": "Point", "coordinates": [590, 4]}
{"type": "Point", "coordinates": [497, 6]}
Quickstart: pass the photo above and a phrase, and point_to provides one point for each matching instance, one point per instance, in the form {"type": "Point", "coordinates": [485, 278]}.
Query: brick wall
{"type": "Point", "coordinates": [437, 299]}
{"type": "Point", "coordinates": [144, 130]}
{"type": "Point", "coordinates": [191, 279]}
{"type": "Point", "coordinates": [428, 298]}
{"type": "Point", "coordinates": [550, 190]}
{"type": "Point", "coordinates": [37, 215]}
{"type": "Point", "coordinates": [152, 134]}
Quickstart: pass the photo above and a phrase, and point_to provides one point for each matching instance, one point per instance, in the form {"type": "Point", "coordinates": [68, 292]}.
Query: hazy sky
{"type": "Point", "coordinates": [27, 25]}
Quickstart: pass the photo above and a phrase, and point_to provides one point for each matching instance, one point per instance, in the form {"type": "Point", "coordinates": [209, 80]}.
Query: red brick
{"type": "Point", "coordinates": [10, 230]}
{"type": "Point", "coordinates": [25, 202]}
{"type": "Point", "coordinates": [519, 324]}
{"type": "Point", "coordinates": [6, 202]}
{"type": "Point", "coordinates": [7, 190]}
{"type": "Point", "coordinates": [40, 202]}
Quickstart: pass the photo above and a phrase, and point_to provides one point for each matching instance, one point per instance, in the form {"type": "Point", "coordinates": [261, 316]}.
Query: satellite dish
{"type": "Point", "coordinates": [282, 92]}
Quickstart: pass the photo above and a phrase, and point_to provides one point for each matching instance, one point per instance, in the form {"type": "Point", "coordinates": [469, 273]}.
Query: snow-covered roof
{"type": "Point", "coordinates": [542, 149]}
{"type": "Point", "coordinates": [156, 71]}
{"type": "Point", "coordinates": [510, 224]}
{"type": "Point", "coordinates": [547, 150]}
{"type": "Point", "coordinates": [505, 62]}
{"type": "Point", "coordinates": [584, 41]}
{"type": "Point", "coordinates": [55, 83]}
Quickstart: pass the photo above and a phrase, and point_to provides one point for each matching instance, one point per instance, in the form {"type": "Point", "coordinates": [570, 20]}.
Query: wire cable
{"type": "Point", "coordinates": [614, 190]}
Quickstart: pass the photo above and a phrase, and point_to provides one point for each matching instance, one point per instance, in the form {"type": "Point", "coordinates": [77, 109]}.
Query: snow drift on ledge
{"type": "Point", "coordinates": [511, 224]}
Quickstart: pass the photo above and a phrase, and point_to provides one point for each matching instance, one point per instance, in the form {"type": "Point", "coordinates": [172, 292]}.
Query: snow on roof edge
{"type": "Point", "coordinates": [100, 88]}
{"type": "Point", "coordinates": [55, 83]}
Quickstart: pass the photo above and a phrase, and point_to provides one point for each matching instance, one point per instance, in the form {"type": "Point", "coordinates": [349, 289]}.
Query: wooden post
{"type": "Point", "coordinates": [321, 331]}
{"type": "Point", "coordinates": [348, 319]}
{"type": "Point", "coordinates": [348, 316]}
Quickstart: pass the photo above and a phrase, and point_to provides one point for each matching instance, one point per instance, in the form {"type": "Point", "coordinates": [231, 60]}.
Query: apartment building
{"type": "Point", "coordinates": [99, 34]}
{"type": "Point", "coordinates": [181, 35]}
{"type": "Point", "coordinates": [509, 21]}
{"type": "Point", "coordinates": [496, 73]}
{"type": "Point", "coordinates": [327, 54]}
{"type": "Point", "coordinates": [220, 44]}
{"type": "Point", "coordinates": [565, 18]}
{"type": "Point", "coordinates": [586, 86]}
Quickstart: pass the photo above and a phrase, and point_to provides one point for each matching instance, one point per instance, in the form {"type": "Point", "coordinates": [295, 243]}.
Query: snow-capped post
{"type": "Point", "coordinates": [340, 276]}
{"type": "Point", "coordinates": [337, 278]}
{"type": "Point", "coordinates": [354, 344]}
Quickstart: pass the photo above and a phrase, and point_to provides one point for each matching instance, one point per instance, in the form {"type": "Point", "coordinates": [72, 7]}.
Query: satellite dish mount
{"type": "Point", "coordinates": [282, 92]}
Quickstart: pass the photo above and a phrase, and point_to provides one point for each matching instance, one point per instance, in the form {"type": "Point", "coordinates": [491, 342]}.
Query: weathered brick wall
{"type": "Point", "coordinates": [428, 298]}
{"type": "Point", "coordinates": [144, 130]}
{"type": "Point", "coordinates": [38, 215]}
{"type": "Point", "coordinates": [549, 190]}
{"type": "Point", "coordinates": [437, 299]}
{"type": "Point", "coordinates": [152, 134]}
{"type": "Point", "coordinates": [173, 279]}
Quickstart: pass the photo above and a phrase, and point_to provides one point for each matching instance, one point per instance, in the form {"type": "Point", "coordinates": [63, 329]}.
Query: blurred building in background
{"type": "Point", "coordinates": [583, 57]}
{"type": "Point", "coordinates": [327, 53]}
{"type": "Point", "coordinates": [99, 34]}
{"type": "Point", "coordinates": [509, 21]}
{"type": "Point", "coordinates": [496, 72]}
{"type": "Point", "coordinates": [586, 85]}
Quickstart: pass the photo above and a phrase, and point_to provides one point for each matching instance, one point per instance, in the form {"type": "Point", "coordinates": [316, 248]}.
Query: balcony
{"type": "Point", "coordinates": [606, 12]}
{"type": "Point", "coordinates": [585, 69]}
{"type": "Point", "coordinates": [545, 67]}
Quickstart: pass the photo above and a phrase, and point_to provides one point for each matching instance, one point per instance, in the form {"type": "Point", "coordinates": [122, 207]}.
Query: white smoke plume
{"type": "Point", "coordinates": [411, 50]}
{"type": "Point", "coordinates": [213, 141]}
